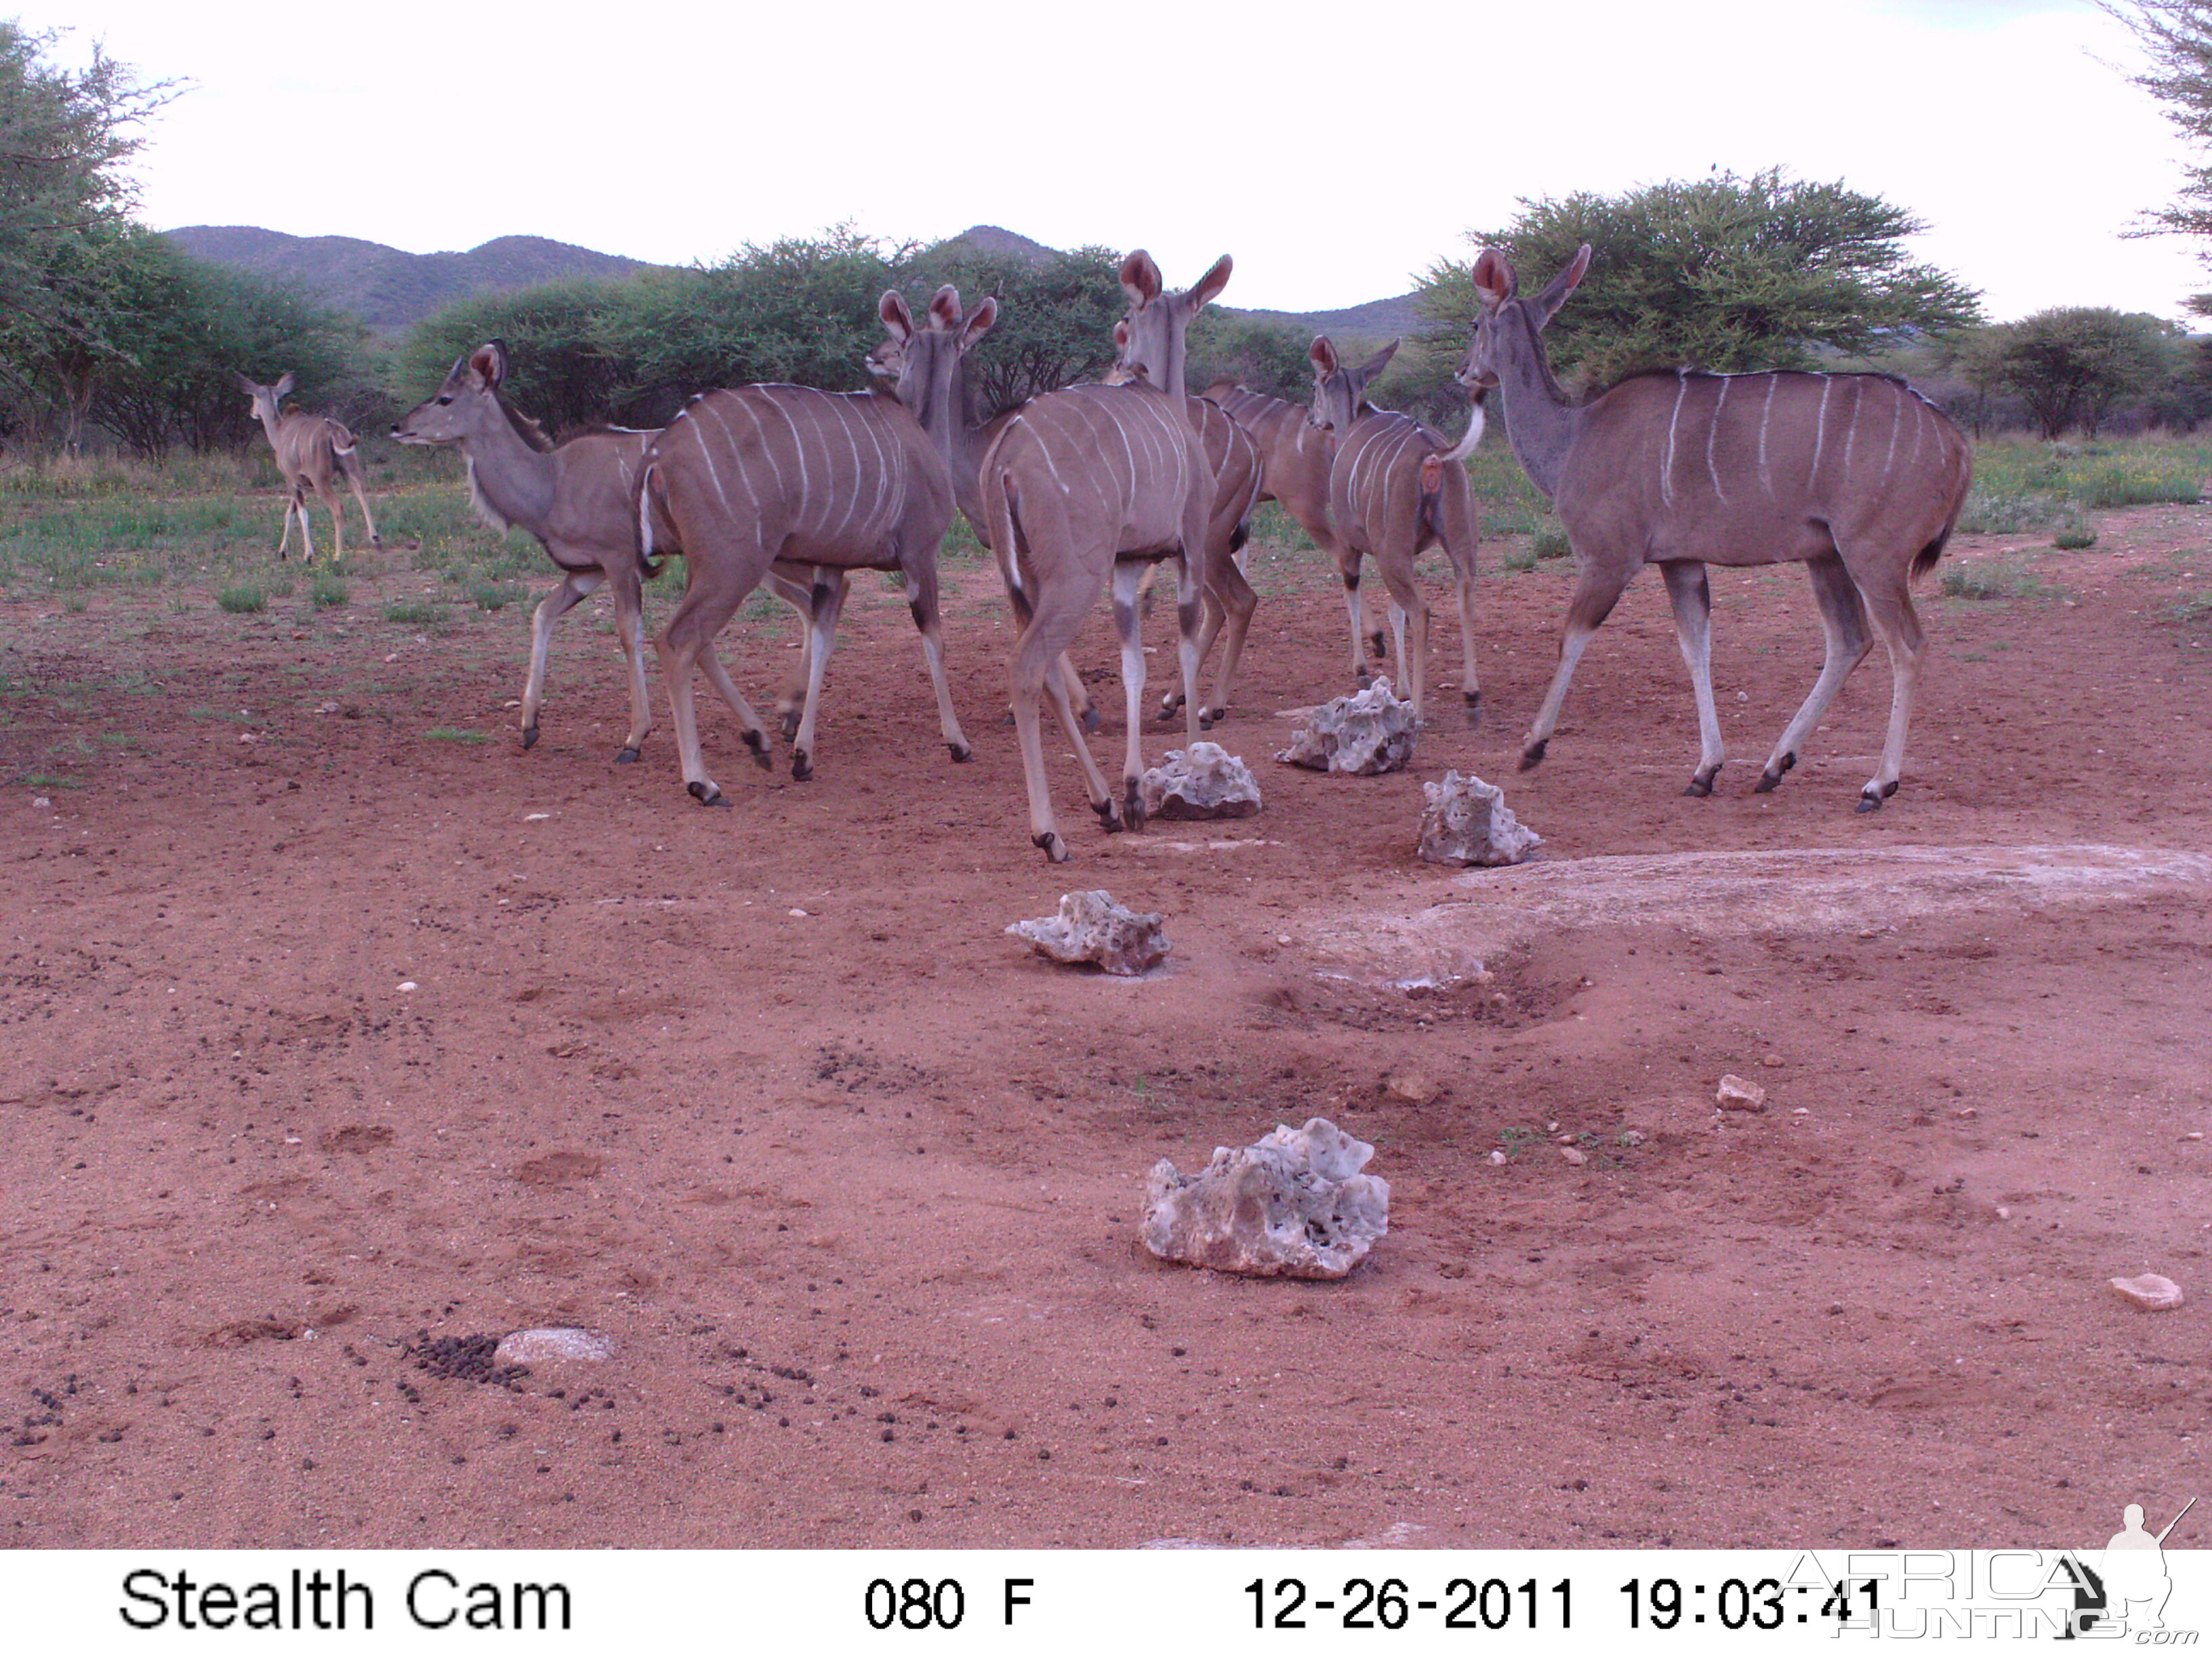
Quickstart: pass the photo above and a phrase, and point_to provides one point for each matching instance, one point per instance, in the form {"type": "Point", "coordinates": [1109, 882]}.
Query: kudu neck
{"type": "Point", "coordinates": [1541, 420]}
{"type": "Point", "coordinates": [516, 479]}
{"type": "Point", "coordinates": [945, 422]}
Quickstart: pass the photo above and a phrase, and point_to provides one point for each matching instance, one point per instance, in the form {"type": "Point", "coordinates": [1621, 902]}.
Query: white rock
{"type": "Point", "coordinates": [1092, 927]}
{"type": "Point", "coordinates": [2153, 1292]}
{"type": "Point", "coordinates": [1467, 821]}
{"type": "Point", "coordinates": [1497, 1155]}
{"type": "Point", "coordinates": [1292, 1205]}
{"type": "Point", "coordinates": [42, 800]}
{"type": "Point", "coordinates": [407, 985]}
{"type": "Point", "coordinates": [1202, 781]}
{"type": "Point", "coordinates": [1368, 733]}
{"type": "Point", "coordinates": [1574, 1154]}
{"type": "Point", "coordinates": [552, 1345]}
{"type": "Point", "coordinates": [1737, 1094]}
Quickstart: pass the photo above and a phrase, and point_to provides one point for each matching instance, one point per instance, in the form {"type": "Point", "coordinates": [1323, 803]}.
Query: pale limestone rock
{"type": "Point", "coordinates": [1412, 1088]}
{"type": "Point", "coordinates": [1293, 1205]}
{"type": "Point", "coordinates": [1092, 927]}
{"type": "Point", "coordinates": [1467, 821]}
{"type": "Point", "coordinates": [1738, 1094]}
{"type": "Point", "coordinates": [553, 1345]}
{"type": "Point", "coordinates": [1202, 781]}
{"type": "Point", "coordinates": [2153, 1292]}
{"type": "Point", "coordinates": [1368, 733]}
{"type": "Point", "coordinates": [1574, 1154]}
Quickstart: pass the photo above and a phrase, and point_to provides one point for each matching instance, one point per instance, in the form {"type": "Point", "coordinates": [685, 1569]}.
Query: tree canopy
{"type": "Point", "coordinates": [1724, 272]}
{"type": "Point", "coordinates": [2070, 364]}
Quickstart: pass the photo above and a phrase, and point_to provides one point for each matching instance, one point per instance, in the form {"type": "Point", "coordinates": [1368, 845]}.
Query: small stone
{"type": "Point", "coordinates": [1771, 1060]}
{"type": "Point", "coordinates": [512, 703]}
{"type": "Point", "coordinates": [326, 708]}
{"type": "Point", "coordinates": [2004, 1213]}
{"type": "Point", "coordinates": [1632, 1137]}
{"type": "Point", "coordinates": [1467, 821]}
{"type": "Point", "coordinates": [1292, 1205]}
{"type": "Point", "coordinates": [536, 817]}
{"type": "Point", "coordinates": [795, 911]}
{"type": "Point", "coordinates": [1737, 1094]}
{"type": "Point", "coordinates": [1965, 1111]}
{"type": "Point", "coordinates": [1366, 734]}
{"type": "Point", "coordinates": [2153, 1292]}
{"type": "Point", "coordinates": [1092, 927]}
{"type": "Point", "coordinates": [553, 1345]}
{"type": "Point", "coordinates": [2194, 1134]}
{"type": "Point", "coordinates": [1202, 781]}
{"type": "Point", "coordinates": [1282, 939]}
{"type": "Point", "coordinates": [1574, 1154]}
{"type": "Point", "coordinates": [407, 985]}
{"type": "Point", "coordinates": [1497, 1155]}
{"type": "Point", "coordinates": [1412, 1088]}
{"type": "Point", "coordinates": [42, 800]}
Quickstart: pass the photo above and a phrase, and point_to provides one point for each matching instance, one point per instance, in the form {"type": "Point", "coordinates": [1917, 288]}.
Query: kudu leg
{"type": "Point", "coordinates": [791, 702]}
{"type": "Point", "coordinates": [1691, 597]}
{"type": "Point", "coordinates": [1407, 604]}
{"type": "Point", "coordinates": [336, 502]}
{"type": "Point", "coordinates": [687, 643]}
{"type": "Point", "coordinates": [368, 518]}
{"type": "Point", "coordinates": [1361, 673]}
{"type": "Point", "coordinates": [1229, 605]}
{"type": "Point", "coordinates": [550, 608]}
{"type": "Point", "coordinates": [1889, 608]}
{"type": "Point", "coordinates": [1470, 682]}
{"type": "Point", "coordinates": [1049, 620]}
{"type": "Point", "coordinates": [1843, 620]}
{"type": "Point", "coordinates": [629, 628]}
{"type": "Point", "coordinates": [1127, 579]}
{"type": "Point", "coordinates": [922, 604]}
{"type": "Point", "coordinates": [1596, 591]}
{"type": "Point", "coordinates": [829, 602]}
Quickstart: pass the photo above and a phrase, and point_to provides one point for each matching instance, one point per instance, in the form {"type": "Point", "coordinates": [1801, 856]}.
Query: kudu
{"type": "Point", "coordinates": [1856, 476]}
{"type": "Point", "coordinates": [313, 451]}
{"type": "Point", "coordinates": [579, 500]}
{"type": "Point", "coordinates": [744, 478]}
{"type": "Point", "coordinates": [1394, 491]}
{"type": "Point", "coordinates": [1082, 484]}
{"type": "Point", "coordinates": [1152, 347]}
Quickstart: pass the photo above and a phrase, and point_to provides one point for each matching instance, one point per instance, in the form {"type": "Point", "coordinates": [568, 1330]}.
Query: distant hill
{"type": "Point", "coordinates": [990, 240]}
{"type": "Point", "coordinates": [388, 288]}
{"type": "Point", "coordinates": [1376, 322]}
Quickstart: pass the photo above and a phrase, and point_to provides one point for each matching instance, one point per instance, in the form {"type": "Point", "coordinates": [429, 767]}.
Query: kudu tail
{"type": "Point", "coordinates": [1432, 466]}
{"type": "Point", "coordinates": [1007, 542]}
{"type": "Point", "coordinates": [648, 481]}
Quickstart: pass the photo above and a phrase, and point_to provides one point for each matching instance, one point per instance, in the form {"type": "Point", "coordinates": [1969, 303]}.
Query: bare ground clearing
{"type": "Point", "coordinates": [855, 1190]}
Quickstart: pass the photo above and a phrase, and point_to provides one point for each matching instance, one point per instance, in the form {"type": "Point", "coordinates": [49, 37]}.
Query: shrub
{"type": "Point", "coordinates": [2074, 535]}
{"type": "Point", "coordinates": [242, 600]}
{"type": "Point", "coordinates": [1552, 543]}
{"type": "Point", "coordinates": [456, 734]}
{"type": "Point", "coordinates": [1519, 558]}
{"type": "Point", "coordinates": [494, 596]}
{"type": "Point", "coordinates": [414, 615]}
{"type": "Point", "coordinates": [328, 593]}
{"type": "Point", "coordinates": [1991, 579]}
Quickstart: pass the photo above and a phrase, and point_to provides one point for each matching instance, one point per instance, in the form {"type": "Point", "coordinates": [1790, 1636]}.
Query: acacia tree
{"type": "Point", "coordinates": [1724, 272]}
{"type": "Point", "coordinates": [2070, 364]}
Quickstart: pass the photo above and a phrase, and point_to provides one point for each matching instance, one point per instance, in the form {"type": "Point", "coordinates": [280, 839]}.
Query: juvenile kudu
{"type": "Point", "coordinates": [313, 451]}
{"type": "Point", "coordinates": [743, 479]}
{"type": "Point", "coordinates": [1152, 347]}
{"type": "Point", "coordinates": [1856, 476]}
{"type": "Point", "coordinates": [1082, 485]}
{"type": "Point", "coordinates": [1394, 491]}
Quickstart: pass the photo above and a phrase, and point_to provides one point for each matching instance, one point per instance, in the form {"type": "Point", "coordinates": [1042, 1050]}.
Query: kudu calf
{"type": "Point", "coordinates": [1856, 476]}
{"type": "Point", "coordinates": [1152, 347]}
{"type": "Point", "coordinates": [744, 478]}
{"type": "Point", "coordinates": [1081, 485]}
{"type": "Point", "coordinates": [313, 451]}
{"type": "Point", "coordinates": [1394, 491]}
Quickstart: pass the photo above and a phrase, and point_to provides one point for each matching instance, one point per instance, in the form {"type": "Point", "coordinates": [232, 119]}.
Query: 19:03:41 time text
{"type": "Point", "coordinates": [1365, 1604]}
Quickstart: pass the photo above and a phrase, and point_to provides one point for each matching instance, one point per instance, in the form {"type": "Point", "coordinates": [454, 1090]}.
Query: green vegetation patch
{"type": "Point", "coordinates": [243, 600]}
{"type": "Point", "coordinates": [414, 613]}
{"type": "Point", "coordinates": [456, 734]}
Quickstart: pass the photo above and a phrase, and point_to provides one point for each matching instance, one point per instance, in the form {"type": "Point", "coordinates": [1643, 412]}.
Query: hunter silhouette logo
{"type": "Point", "coordinates": [2135, 1583]}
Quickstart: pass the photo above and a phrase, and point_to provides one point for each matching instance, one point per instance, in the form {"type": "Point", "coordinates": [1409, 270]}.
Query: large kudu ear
{"type": "Point", "coordinates": [979, 321]}
{"type": "Point", "coordinates": [1374, 365]}
{"type": "Point", "coordinates": [945, 309]}
{"type": "Point", "coordinates": [251, 388]}
{"type": "Point", "coordinates": [489, 361]}
{"type": "Point", "coordinates": [1208, 287]}
{"type": "Point", "coordinates": [1494, 283]}
{"type": "Point", "coordinates": [897, 321]}
{"type": "Point", "coordinates": [1323, 354]}
{"type": "Point", "coordinates": [1555, 296]}
{"type": "Point", "coordinates": [283, 389]}
{"type": "Point", "coordinates": [1141, 278]}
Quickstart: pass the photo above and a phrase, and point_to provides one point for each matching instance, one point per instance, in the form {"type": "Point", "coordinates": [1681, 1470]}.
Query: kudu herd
{"type": "Point", "coordinates": [1095, 486]}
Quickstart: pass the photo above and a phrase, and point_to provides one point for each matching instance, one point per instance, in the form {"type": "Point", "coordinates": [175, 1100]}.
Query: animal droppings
{"type": "Point", "coordinates": [1467, 821]}
{"type": "Point", "coordinates": [552, 1345]}
{"type": "Point", "coordinates": [2152, 1292]}
{"type": "Point", "coordinates": [1202, 781]}
{"type": "Point", "coordinates": [1369, 734]}
{"type": "Point", "coordinates": [1092, 927]}
{"type": "Point", "coordinates": [1737, 1094]}
{"type": "Point", "coordinates": [1292, 1205]}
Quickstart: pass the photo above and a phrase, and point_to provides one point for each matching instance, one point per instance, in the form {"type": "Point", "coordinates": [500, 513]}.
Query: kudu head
{"type": "Point", "coordinates": [267, 399]}
{"type": "Point", "coordinates": [1340, 393]}
{"type": "Point", "coordinates": [1502, 308]}
{"type": "Point", "coordinates": [1159, 322]}
{"type": "Point", "coordinates": [923, 364]}
{"type": "Point", "coordinates": [465, 404]}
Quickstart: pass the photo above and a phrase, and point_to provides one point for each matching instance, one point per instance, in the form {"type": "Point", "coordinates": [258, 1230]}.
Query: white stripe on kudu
{"type": "Point", "coordinates": [1862, 534]}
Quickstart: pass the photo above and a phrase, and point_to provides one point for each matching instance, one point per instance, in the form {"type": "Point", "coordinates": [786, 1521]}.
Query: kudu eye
{"type": "Point", "coordinates": [447, 398]}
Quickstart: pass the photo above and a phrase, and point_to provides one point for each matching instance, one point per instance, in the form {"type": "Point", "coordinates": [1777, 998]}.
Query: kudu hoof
{"type": "Point", "coordinates": [1006, 719]}
{"type": "Point", "coordinates": [627, 757]}
{"type": "Point", "coordinates": [708, 794]}
{"type": "Point", "coordinates": [1533, 756]}
{"type": "Point", "coordinates": [788, 724]}
{"type": "Point", "coordinates": [961, 754]}
{"type": "Point", "coordinates": [1701, 785]}
{"type": "Point", "coordinates": [758, 744]}
{"type": "Point", "coordinates": [530, 737]}
{"type": "Point", "coordinates": [1109, 815]}
{"type": "Point", "coordinates": [1170, 706]}
{"type": "Point", "coordinates": [1870, 799]}
{"type": "Point", "coordinates": [1133, 804]}
{"type": "Point", "coordinates": [1056, 850]}
{"type": "Point", "coordinates": [1092, 720]}
{"type": "Point", "coordinates": [1771, 779]}
{"type": "Point", "coordinates": [802, 767]}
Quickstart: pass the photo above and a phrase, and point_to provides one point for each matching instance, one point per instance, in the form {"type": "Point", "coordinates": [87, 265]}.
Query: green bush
{"type": "Point", "coordinates": [1991, 579]}
{"type": "Point", "coordinates": [1552, 543]}
{"type": "Point", "coordinates": [2073, 535]}
{"type": "Point", "coordinates": [495, 596]}
{"type": "Point", "coordinates": [1519, 558]}
{"type": "Point", "coordinates": [414, 615]}
{"type": "Point", "coordinates": [2140, 482]}
{"type": "Point", "coordinates": [328, 593]}
{"type": "Point", "coordinates": [243, 600]}
{"type": "Point", "coordinates": [456, 734]}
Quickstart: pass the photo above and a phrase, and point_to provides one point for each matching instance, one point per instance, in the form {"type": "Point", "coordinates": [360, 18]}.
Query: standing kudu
{"type": "Point", "coordinates": [313, 451]}
{"type": "Point", "coordinates": [1856, 476]}
{"type": "Point", "coordinates": [745, 479]}
{"type": "Point", "coordinates": [1394, 492]}
{"type": "Point", "coordinates": [1152, 347]}
{"type": "Point", "coordinates": [1081, 485]}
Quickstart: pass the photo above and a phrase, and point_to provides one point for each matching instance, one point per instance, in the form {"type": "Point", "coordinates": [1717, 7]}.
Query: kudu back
{"type": "Point", "coordinates": [1856, 476]}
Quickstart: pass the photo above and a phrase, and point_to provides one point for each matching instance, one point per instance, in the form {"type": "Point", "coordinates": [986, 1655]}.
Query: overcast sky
{"type": "Point", "coordinates": [1334, 157]}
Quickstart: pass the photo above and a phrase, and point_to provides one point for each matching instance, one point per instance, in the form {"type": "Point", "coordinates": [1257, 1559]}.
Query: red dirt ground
{"type": "Point", "coordinates": [855, 1190]}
